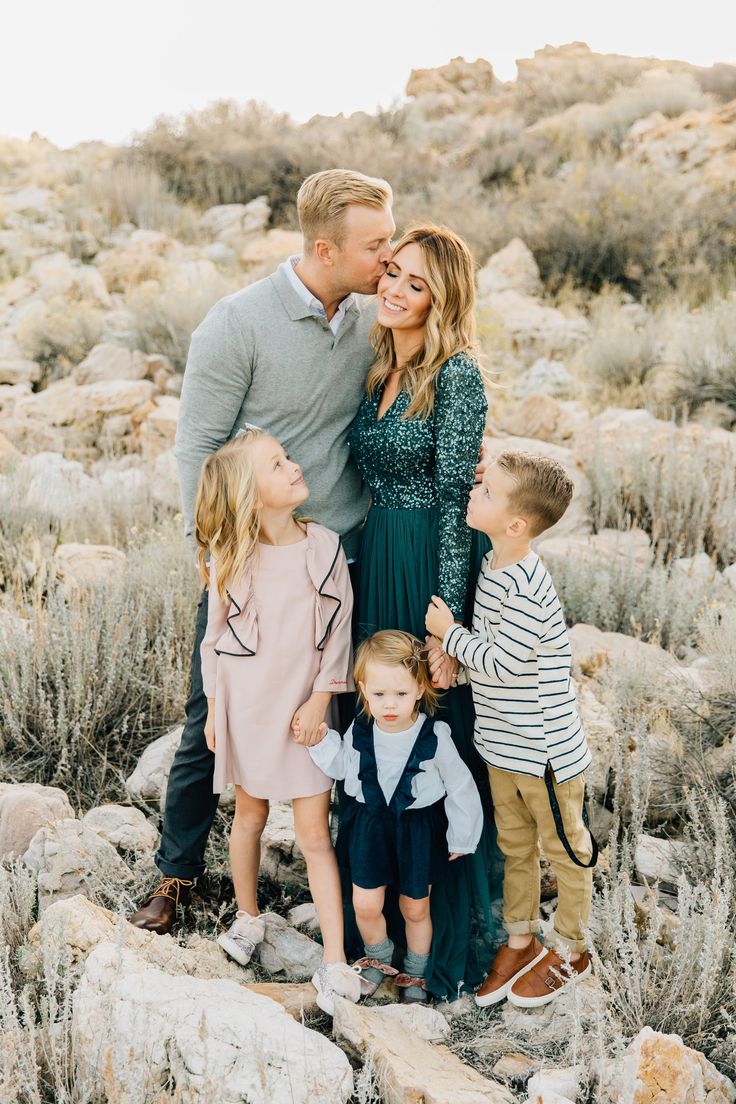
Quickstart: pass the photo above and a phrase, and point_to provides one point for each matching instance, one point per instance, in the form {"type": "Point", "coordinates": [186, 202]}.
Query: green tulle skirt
{"type": "Point", "coordinates": [397, 575]}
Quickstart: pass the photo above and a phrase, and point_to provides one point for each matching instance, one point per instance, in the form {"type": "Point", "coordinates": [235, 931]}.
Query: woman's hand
{"type": "Point", "coordinates": [484, 461]}
{"type": "Point", "coordinates": [439, 617]}
{"type": "Point", "coordinates": [442, 667]}
{"type": "Point", "coordinates": [455, 855]}
{"type": "Point", "coordinates": [307, 722]}
{"type": "Point", "coordinates": [209, 724]}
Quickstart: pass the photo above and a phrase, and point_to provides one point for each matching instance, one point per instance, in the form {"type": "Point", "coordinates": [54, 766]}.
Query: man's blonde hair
{"type": "Point", "coordinates": [324, 197]}
{"type": "Point", "coordinates": [394, 648]}
{"type": "Point", "coordinates": [543, 488]}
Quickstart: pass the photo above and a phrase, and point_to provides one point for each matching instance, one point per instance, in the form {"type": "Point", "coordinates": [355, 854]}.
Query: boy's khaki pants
{"type": "Point", "coordinates": [523, 816]}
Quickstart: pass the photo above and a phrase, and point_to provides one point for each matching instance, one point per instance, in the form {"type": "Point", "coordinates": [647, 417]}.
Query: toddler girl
{"type": "Point", "coordinates": [276, 650]}
{"type": "Point", "coordinates": [411, 803]}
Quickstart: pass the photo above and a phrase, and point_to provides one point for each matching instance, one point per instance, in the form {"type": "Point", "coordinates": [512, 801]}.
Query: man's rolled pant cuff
{"type": "Point", "coordinates": [173, 870]}
{"type": "Point", "coordinates": [523, 927]}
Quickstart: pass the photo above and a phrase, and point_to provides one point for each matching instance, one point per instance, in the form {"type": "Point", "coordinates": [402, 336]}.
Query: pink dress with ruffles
{"type": "Point", "coordinates": [284, 633]}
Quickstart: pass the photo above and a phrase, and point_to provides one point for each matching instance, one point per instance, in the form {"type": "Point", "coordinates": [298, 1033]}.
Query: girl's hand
{"type": "Point", "coordinates": [442, 667]}
{"type": "Point", "coordinates": [439, 617]}
{"type": "Point", "coordinates": [455, 855]}
{"type": "Point", "coordinates": [209, 727]}
{"type": "Point", "coordinates": [308, 720]}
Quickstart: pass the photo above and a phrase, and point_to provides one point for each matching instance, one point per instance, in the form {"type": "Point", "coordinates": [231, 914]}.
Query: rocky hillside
{"type": "Point", "coordinates": [597, 192]}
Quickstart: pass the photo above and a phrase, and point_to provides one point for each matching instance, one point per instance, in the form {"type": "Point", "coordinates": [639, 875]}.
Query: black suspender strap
{"type": "Point", "coordinates": [557, 815]}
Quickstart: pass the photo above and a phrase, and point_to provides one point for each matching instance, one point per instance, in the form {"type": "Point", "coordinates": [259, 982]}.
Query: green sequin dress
{"type": "Point", "coordinates": [416, 543]}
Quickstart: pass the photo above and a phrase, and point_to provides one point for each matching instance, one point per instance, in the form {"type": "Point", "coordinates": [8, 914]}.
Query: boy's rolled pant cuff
{"type": "Point", "coordinates": [565, 943]}
{"type": "Point", "coordinates": [523, 927]}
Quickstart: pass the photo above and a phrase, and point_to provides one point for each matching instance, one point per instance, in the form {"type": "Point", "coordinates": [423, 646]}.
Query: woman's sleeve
{"type": "Point", "coordinates": [460, 418]}
{"type": "Point", "coordinates": [216, 625]}
{"type": "Point", "coordinates": [462, 803]}
{"type": "Point", "coordinates": [336, 665]}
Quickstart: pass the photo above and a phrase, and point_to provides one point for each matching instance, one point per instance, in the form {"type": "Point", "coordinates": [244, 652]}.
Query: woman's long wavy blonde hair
{"type": "Point", "coordinates": [450, 326]}
{"type": "Point", "coordinates": [227, 521]}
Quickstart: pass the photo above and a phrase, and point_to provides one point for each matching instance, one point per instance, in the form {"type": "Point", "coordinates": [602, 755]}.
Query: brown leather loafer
{"type": "Point", "coordinates": [547, 979]}
{"type": "Point", "coordinates": [158, 914]}
{"type": "Point", "coordinates": [508, 966]}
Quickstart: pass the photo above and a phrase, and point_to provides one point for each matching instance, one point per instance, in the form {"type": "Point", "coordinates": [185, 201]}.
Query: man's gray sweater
{"type": "Point", "coordinates": [261, 356]}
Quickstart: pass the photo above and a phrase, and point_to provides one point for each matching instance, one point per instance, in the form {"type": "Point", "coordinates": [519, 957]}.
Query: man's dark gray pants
{"type": "Point", "coordinates": [190, 803]}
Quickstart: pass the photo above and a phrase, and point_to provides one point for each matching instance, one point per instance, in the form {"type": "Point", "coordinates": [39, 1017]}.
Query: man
{"type": "Point", "coordinates": [290, 353]}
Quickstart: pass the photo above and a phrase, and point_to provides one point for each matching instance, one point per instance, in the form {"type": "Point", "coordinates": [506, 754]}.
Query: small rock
{"type": "Point", "coordinates": [512, 267]}
{"type": "Point", "coordinates": [514, 1066]}
{"type": "Point", "coordinates": [25, 808]}
{"type": "Point", "coordinates": [593, 651]}
{"type": "Point", "coordinates": [110, 362]}
{"type": "Point", "coordinates": [124, 827]}
{"type": "Point", "coordinates": [87, 564]}
{"type": "Point", "coordinates": [554, 1086]}
{"type": "Point", "coordinates": [298, 998]}
{"type": "Point", "coordinates": [304, 916]}
{"type": "Point", "coordinates": [545, 377]}
{"type": "Point", "coordinates": [287, 951]}
{"type": "Point", "coordinates": [659, 860]}
{"type": "Point", "coordinates": [699, 568]}
{"type": "Point", "coordinates": [165, 481]}
{"type": "Point", "coordinates": [281, 859]}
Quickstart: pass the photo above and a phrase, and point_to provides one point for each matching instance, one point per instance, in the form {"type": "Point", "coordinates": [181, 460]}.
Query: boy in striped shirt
{"type": "Point", "coordinates": [527, 728]}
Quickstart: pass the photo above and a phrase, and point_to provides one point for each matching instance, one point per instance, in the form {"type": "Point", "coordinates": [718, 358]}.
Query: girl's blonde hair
{"type": "Point", "coordinates": [450, 326]}
{"type": "Point", "coordinates": [227, 521]}
{"type": "Point", "coordinates": [397, 649]}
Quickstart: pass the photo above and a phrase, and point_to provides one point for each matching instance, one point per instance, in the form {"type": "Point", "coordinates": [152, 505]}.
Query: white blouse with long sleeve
{"type": "Point", "coordinates": [444, 776]}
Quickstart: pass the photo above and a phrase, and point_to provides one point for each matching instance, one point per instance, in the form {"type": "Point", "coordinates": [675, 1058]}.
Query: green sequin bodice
{"type": "Point", "coordinates": [415, 463]}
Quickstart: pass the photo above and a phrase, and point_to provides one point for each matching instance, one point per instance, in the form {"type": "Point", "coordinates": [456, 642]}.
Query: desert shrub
{"type": "Point", "coordinates": [99, 674]}
{"type": "Point", "coordinates": [131, 193]}
{"type": "Point", "coordinates": [602, 221]}
{"type": "Point", "coordinates": [164, 318]}
{"type": "Point", "coordinates": [60, 331]}
{"type": "Point", "coordinates": [681, 490]}
{"type": "Point", "coordinates": [620, 595]}
{"type": "Point", "coordinates": [705, 371]}
{"type": "Point", "coordinates": [618, 362]}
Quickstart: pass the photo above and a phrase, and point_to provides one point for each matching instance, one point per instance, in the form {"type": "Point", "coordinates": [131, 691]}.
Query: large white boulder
{"type": "Point", "coordinates": [70, 928]}
{"type": "Point", "coordinates": [135, 1027]}
{"type": "Point", "coordinates": [87, 564]}
{"type": "Point", "coordinates": [147, 783]}
{"type": "Point", "coordinates": [512, 267]}
{"type": "Point", "coordinates": [25, 808]}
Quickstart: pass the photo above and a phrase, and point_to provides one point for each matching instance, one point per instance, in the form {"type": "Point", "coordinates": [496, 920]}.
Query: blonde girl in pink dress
{"type": "Point", "coordinates": [276, 651]}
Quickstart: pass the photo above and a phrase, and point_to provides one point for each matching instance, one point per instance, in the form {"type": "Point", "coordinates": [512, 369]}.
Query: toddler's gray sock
{"type": "Point", "coordinates": [415, 965]}
{"type": "Point", "coordinates": [383, 951]}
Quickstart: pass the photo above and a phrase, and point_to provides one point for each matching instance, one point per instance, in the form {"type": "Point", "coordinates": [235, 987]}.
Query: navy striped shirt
{"type": "Point", "coordinates": [518, 657]}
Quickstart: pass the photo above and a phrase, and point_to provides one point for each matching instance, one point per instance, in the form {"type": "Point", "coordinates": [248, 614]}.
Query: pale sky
{"type": "Point", "coordinates": [75, 70]}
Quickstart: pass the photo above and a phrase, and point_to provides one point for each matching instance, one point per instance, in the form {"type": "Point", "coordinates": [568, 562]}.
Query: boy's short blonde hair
{"type": "Point", "coordinates": [543, 488]}
{"type": "Point", "coordinates": [394, 648]}
{"type": "Point", "coordinates": [324, 198]}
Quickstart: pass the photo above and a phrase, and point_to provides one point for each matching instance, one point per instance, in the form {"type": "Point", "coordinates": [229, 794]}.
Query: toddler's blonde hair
{"type": "Point", "coordinates": [394, 648]}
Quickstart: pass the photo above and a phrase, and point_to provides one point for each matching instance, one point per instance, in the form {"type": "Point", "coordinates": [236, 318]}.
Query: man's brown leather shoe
{"type": "Point", "coordinates": [508, 966]}
{"type": "Point", "coordinates": [547, 979]}
{"type": "Point", "coordinates": [158, 914]}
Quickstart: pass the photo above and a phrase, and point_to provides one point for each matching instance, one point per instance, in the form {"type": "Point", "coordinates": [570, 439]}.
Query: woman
{"type": "Point", "coordinates": [416, 439]}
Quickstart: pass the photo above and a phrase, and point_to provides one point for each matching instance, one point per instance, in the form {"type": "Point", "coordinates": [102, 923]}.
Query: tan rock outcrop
{"type": "Point", "coordinates": [659, 1069]}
